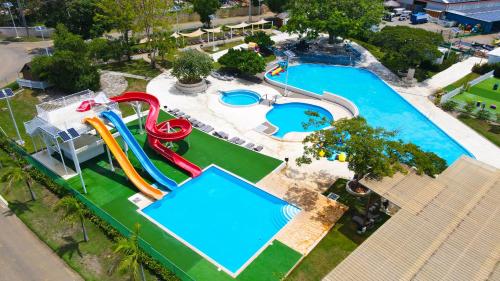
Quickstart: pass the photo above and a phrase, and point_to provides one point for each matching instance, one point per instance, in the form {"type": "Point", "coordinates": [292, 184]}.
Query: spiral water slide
{"type": "Point", "coordinates": [171, 130]}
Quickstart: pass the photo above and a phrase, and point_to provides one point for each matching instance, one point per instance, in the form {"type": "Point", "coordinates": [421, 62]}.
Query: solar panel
{"type": "Point", "coordinates": [64, 136]}
{"type": "Point", "coordinates": [73, 133]}
{"type": "Point", "coordinates": [2, 94]}
{"type": "Point", "coordinates": [8, 92]}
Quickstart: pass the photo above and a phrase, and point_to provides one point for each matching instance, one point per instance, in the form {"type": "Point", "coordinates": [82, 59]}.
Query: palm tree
{"type": "Point", "coordinates": [14, 174]}
{"type": "Point", "coordinates": [130, 256]}
{"type": "Point", "coordinates": [73, 212]}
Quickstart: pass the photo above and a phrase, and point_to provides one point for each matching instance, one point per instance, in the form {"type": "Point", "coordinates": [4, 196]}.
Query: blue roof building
{"type": "Point", "coordinates": [487, 17]}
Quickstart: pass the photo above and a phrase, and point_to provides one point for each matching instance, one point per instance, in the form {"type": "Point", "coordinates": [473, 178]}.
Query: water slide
{"type": "Point", "coordinates": [172, 130]}
{"type": "Point", "coordinates": [138, 151]}
{"type": "Point", "coordinates": [122, 159]}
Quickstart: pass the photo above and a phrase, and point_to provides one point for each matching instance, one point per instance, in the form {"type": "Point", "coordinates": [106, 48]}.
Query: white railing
{"type": "Point", "coordinates": [25, 83]}
{"type": "Point", "coordinates": [481, 78]}
{"type": "Point", "coordinates": [449, 95]}
{"type": "Point", "coordinates": [446, 97]}
{"type": "Point", "coordinates": [349, 105]}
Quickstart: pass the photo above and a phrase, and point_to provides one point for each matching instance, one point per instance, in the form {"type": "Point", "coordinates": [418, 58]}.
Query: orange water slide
{"type": "Point", "coordinates": [122, 159]}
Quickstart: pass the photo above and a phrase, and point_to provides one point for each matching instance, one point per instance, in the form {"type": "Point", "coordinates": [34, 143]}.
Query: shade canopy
{"type": "Point", "coordinates": [213, 30]}
{"type": "Point", "coordinates": [195, 33]}
{"type": "Point", "coordinates": [262, 21]}
{"type": "Point", "coordinates": [391, 4]}
{"type": "Point", "coordinates": [241, 25]}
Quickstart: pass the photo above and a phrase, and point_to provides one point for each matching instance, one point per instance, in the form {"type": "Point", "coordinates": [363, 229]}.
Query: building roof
{"type": "Point", "coordinates": [494, 52]}
{"type": "Point", "coordinates": [448, 228]}
{"type": "Point", "coordinates": [486, 14]}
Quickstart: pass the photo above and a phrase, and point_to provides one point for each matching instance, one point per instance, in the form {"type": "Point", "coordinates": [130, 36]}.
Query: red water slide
{"type": "Point", "coordinates": [180, 128]}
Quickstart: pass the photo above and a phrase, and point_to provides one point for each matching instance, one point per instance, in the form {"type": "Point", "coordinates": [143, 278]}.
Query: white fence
{"type": "Point", "coordinates": [446, 97]}
{"type": "Point", "coordinates": [42, 85]}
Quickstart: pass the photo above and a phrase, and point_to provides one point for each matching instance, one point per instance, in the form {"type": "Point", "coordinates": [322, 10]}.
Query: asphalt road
{"type": "Point", "coordinates": [13, 55]}
{"type": "Point", "coordinates": [24, 257]}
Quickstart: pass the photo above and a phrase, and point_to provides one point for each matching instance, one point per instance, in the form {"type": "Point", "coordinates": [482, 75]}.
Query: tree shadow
{"type": "Point", "coordinates": [18, 208]}
{"type": "Point", "coordinates": [71, 247]}
{"type": "Point", "coordinates": [302, 197]}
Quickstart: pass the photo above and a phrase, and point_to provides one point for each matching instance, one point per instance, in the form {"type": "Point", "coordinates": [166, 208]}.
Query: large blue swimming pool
{"type": "Point", "coordinates": [377, 102]}
{"type": "Point", "coordinates": [224, 218]}
{"type": "Point", "coordinates": [291, 117]}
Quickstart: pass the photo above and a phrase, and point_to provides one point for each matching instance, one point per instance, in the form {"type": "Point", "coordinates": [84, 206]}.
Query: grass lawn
{"type": "Point", "coordinates": [484, 128]}
{"type": "Point", "coordinates": [110, 190]}
{"type": "Point", "coordinates": [222, 47]}
{"type": "Point", "coordinates": [337, 244]}
{"type": "Point", "coordinates": [24, 110]}
{"type": "Point", "coordinates": [91, 260]}
{"type": "Point", "coordinates": [136, 67]}
{"type": "Point", "coordinates": [483, 92]}
{"type": "Point", "coordinates": [469, 77]}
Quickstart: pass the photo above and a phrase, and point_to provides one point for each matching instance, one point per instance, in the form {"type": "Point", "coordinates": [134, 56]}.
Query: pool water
{"type": "Point", "coordinates": [377, 102]}
{"type": "Point", "coordinates": [291, 117]}
{"type": "Point", "coordinates": [240, 97]}
{"type": "Point", "coordinates": [222, 216]}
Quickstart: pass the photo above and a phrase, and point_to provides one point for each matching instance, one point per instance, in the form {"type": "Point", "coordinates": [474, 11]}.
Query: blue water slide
{"type": "Point", "coordinates": [132, 143]}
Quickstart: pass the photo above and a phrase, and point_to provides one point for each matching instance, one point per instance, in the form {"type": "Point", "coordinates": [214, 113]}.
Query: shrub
{"type": "Point", "coordinates": [261, 38]}
{"type": "Point", "coordinates": [469, 106]}
{"type": "Point", "coordinates": [449, 105]}
{"type": "Point", "coordinates": [496, 72]}
{"type": "Point", "coordinates": [191, 66]}
{"type": "Point", "coordinates": [483, 114]}
{"type": "Point", "coordinates": [482, 68]}
{"type": "Point", "coordinates": [243, 61]}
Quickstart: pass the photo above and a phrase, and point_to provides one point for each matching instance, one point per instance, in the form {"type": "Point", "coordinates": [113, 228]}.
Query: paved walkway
{"type": "Point", "coordinates": [14, 55]}
{"type": "Point", "coordinates": [25, 258]}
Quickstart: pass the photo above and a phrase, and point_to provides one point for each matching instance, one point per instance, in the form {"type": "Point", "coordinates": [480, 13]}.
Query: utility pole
{"type": "Point", "coordinates": [23, 18]}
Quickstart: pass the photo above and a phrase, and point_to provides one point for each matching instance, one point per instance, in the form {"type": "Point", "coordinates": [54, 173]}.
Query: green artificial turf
{"type": "Point", "coordinates": [110, 191]}
{"type": "Point", "coordinates": [469, 77]}
{"type": "Point", "coordinates": [482, 92]}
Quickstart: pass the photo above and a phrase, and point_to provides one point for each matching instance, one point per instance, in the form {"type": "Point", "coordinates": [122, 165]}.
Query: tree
{"type": "Point", "coordinates": [151, 16]}
{"type": "Point", "coordinates": [191, 66]}
{"type": "Point", "coordinates": [408, 46]}
{"type": "Point", "coordinates": [243, 61]}
{"type": "Point", "coordinates": [336, 17]}
{"type": "Point", "coordinates": [261, 38]}
{"type": "Point", "coordinates": [73, 211]}
{"type": "Point", "coordinates": [101, 49]}
{"type": "Point", "coordinates": [119, 15]}
{"type": "Point", "coordinates": [277, 6]}
{"type": "Point", "coordinates": [69, 68]}
{"type": "Point", "coordinates": [130, 255]}
{"type": "Point", "coordinates": [372, 153]}
{"type": "Point", "coordinates": [14, 174]}
{"type": "Point", "coordinates": [77, 15]}
{"type": "Point", "coordinates": [205, 8]}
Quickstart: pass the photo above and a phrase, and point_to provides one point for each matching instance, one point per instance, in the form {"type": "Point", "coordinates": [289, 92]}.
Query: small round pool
{"type": "Point", "coordinates": [239, 97]}
{"type": "Point", "coordinates": [291, 117]}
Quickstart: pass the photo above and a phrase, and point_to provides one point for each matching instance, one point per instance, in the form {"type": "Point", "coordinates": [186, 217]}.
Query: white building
{"type": "Point", "coordinates": [494, 56]}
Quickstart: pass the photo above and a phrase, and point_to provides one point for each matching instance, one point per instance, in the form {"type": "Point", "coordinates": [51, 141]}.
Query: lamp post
{"type": "Point", "coordinates": [6, 94]}
{"type": "Point", "coordinates": [9, 5]}
{"type": "Point", "coordinates": [41, 29]}
{"type": "Point", "coordinates": [289, 54]}
{"type": "Point", "coordinates": [249, 11]}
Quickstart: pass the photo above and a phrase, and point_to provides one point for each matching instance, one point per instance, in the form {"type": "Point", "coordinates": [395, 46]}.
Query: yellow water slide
{"type": "Point", "coordinates": [122, 159]}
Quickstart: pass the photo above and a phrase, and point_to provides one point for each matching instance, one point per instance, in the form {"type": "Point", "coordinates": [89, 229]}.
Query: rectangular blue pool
{"type": "Point", "coordinates": [224, 218]}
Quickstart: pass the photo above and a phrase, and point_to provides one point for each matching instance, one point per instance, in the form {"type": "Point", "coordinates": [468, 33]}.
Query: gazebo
{"type": "Point", "coordinates": [391, 4]}
{"type": "Point", "coordinates": [260, 22]}
{"type": "Point", "coordinates": [196, 33]}
{"type": "Point", "coordinates": [238, 26]}
{"type": "Point", "coordinates": [213, 31]}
